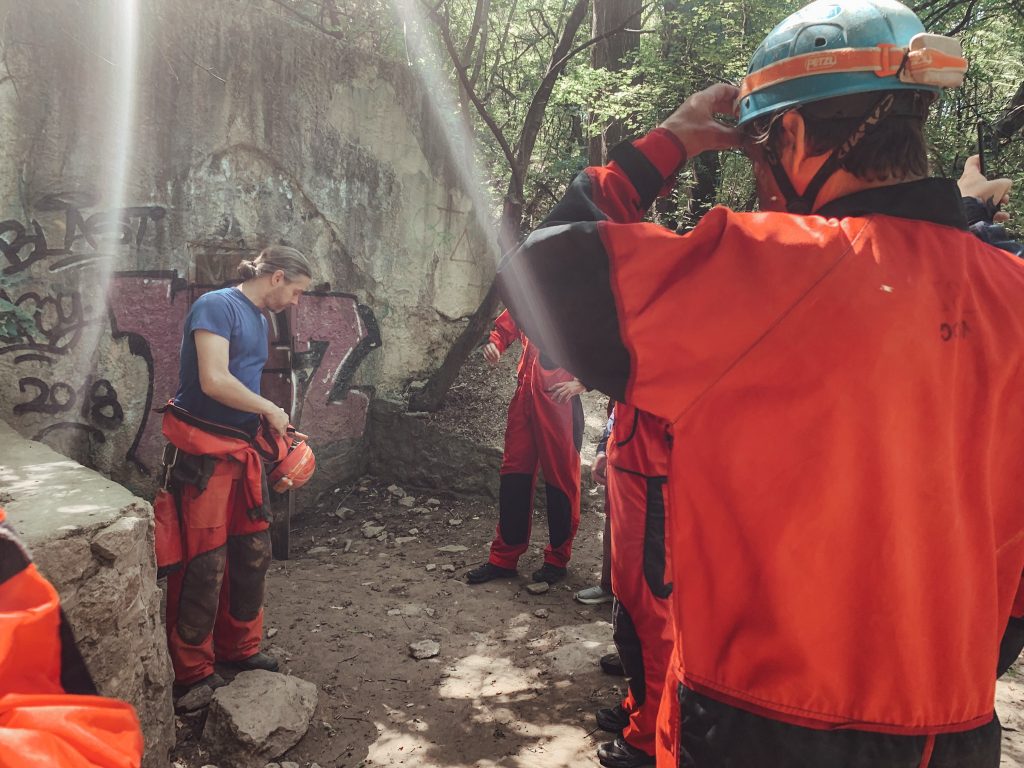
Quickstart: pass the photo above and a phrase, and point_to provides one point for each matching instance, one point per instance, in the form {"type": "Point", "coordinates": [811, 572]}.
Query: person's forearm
{"type": "Point", "coordinates": [229, 391]}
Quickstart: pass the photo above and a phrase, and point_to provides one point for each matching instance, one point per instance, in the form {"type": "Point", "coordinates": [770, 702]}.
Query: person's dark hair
{"type": "Point", "coordinates": [894, 149]}
{"type": "Point", "coordinates": [289, 260]}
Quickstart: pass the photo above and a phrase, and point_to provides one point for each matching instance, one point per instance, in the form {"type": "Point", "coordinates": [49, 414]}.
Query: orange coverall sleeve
{"type": "Point", "coordinates": [41, 724]}
{"type": "Point", "coordinates": [505, 331]}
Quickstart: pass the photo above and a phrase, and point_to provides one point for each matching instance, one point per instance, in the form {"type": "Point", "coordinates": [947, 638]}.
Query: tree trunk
{"type": "Point", "coordinates": [612, 53]}
{"type": "Point", "coordinates": [1011, 119]}
{"type": "Point", "coordinates": [432, 395]}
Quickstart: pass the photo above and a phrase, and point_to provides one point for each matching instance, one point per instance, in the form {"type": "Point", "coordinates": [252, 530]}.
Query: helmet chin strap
{"type": "Point", "coordinates": [803, 204]}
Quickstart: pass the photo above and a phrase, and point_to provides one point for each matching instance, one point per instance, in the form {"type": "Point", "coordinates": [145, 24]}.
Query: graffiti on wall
{"type": "Point", "coordinates": [87, 239]}
{"type": "Point", "coordinates": [315, 348]}
{"type": "Point", "coordinates": [47, 329]}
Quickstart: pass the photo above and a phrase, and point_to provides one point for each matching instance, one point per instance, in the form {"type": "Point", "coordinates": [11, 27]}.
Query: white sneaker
{"type": "Point", "coordinates": [593, 596]}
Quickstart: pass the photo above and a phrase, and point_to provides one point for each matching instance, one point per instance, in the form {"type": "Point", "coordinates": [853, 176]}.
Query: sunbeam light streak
{"type": "Point", "coordinates": [118, 92]}
{"type": "Point", "coordinates": [437, 88]}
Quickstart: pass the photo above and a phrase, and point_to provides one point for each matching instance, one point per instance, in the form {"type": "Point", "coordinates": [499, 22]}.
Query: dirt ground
{"type": "Point", "coordinates": [516, 681]}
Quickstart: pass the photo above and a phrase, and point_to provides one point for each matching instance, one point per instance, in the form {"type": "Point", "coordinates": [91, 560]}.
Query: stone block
{"type": "Point", "coordinates": [119, 538]}
{"type": "Point", "coordinates": [257, 718]}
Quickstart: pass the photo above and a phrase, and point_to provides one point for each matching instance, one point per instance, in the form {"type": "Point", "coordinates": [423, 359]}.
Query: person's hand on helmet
{"type": "Point", "coordinates": [277, 418]}
{"type": "Point", "coordinates": [694, 121]}
{"type": "Point", "coordinates": [973, 183]}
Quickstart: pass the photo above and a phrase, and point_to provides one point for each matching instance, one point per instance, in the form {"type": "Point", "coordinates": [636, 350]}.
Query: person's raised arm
{"type": "Point", "coordinates": [640, 171]}
{"type": "Point", "coordinates": [217, 382]}
{"type": "Point", "coordinates": [559, 283]}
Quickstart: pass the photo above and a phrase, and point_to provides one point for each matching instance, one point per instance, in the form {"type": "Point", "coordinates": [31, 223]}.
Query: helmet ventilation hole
{"type": "Point", "coordinates": [819, 41]}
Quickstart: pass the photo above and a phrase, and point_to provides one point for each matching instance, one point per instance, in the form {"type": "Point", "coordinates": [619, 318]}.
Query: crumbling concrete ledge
{"type": "Point", "coordinates": [94, 540]}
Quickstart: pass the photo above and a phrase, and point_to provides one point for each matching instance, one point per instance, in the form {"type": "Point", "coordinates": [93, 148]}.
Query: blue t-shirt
{"type": "Point", "coordinates": [227, 313]}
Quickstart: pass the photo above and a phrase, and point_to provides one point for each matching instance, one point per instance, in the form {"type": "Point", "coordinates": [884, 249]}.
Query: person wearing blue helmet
{"type": "Point", "coordinates": [841, 372]}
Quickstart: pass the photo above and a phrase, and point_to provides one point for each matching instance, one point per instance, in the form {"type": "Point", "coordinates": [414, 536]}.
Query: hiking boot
{"type": "Point", "coordinates": [552, 574]}
{"type": "Point", "coordinates": [619, 753]}
{"type": "Point", "coordinates": [488, 571]}
{"type": "Point", "coordinates": [593, 596]}
{"type": "Point", "coordinates": [257, 661]}
{"type": "Point", "coordinates": [611, 664]}
{"type": "Point", "coordinates": [612, 719]}
{"type": "Point", "coordinates": [213, 680]}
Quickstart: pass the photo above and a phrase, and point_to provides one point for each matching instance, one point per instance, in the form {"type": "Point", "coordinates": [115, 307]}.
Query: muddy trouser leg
{"type": "Point", "coordinates": [642, 621]}
{"type": "Point", "coordinates": [518, 475]}
{"type": "Point", "coordinates": [193, 591]}
{"type": "Point", "coordinates": [559, 433]}
{"type": "Point", "coordinates": [239, 628]}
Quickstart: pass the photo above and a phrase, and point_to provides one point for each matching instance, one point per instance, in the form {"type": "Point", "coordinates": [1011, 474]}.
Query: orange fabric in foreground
{"type": "Point", "coordinates": [41, 725]}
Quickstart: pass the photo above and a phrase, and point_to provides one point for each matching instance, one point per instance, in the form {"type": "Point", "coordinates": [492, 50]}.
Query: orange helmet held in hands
{"type": "Point", "coordinates": [294, 470]}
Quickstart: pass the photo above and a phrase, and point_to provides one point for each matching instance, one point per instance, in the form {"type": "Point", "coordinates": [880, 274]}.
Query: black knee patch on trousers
{"type": "Point", "coordinates": [200, 593]}
{"type": "Point", "coordinates": [514, 502]}
{"type": "Point", "coordinates": [627, 643]}
{"type": "Point", "coordinates": [654, 539]}
{"type": "Point", "coordinates": [559, 515]}
{"type": "Point", "coordinates": [716, 735]}
{"type": "Point", "coordinates": [248, 561]}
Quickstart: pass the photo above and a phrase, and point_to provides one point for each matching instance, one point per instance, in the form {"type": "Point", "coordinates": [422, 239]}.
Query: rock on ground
{"type": "Point", "coordinates": [257, 718]}
{"type": "Point", "coordinates": [576, 648]}
{"type": "Point", "coordinates": [424, 649]}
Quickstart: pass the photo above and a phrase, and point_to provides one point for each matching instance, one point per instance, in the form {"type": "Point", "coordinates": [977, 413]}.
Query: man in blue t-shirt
{"type": "Point", "coordinates": [215, 597]}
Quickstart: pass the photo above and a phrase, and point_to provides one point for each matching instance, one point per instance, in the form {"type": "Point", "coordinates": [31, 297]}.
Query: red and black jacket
{"type": "Point", "coordinates": [843, 390]}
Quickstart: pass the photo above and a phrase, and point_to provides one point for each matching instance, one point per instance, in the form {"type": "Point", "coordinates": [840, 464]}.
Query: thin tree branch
{"type": "Point", "coordinates": [481, 108]}
{"type": "Point", "coordinates": [594, 40]}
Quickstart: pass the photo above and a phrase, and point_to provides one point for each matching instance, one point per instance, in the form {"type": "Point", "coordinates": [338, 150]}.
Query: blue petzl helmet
{"type": "Point", "coordinates": [843, 47]}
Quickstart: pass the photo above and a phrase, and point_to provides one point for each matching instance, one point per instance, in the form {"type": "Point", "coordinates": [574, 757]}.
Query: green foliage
{"type": "Point", "coordinates": [995, 50]}
{"type": "Point", "coordinates": [698, 43]}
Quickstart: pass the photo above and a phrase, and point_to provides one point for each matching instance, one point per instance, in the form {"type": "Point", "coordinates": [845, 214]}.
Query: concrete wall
{"type": "Point", "coordinates": [94, 541]}
{"type": "Point", "coordinates": [248, 127]}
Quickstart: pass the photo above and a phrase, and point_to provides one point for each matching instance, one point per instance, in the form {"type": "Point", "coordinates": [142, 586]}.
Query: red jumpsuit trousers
{"type": "Point", "coordinates": [638, 454]}
{"type": "Point", "coordinates": [215, 594]}
{"type": "Point", "coordinates": [540, 432]}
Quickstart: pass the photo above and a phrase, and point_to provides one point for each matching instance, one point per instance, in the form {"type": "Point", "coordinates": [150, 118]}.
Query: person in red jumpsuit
{"type": "Point", "coordinates": [212, 537]}
{"type": "Point", "coordinates": [50, 713]}
{"type": "Point", "coordinates": [842, 374]}
{"type": "Point", "coordinates": [545, 430]}
{"type": "Point", "coordinates": [638, 463]}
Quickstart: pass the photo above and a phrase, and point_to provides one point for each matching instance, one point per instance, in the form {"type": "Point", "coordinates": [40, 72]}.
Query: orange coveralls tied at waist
{"type": "Point", "coordinates": [212, 537]}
